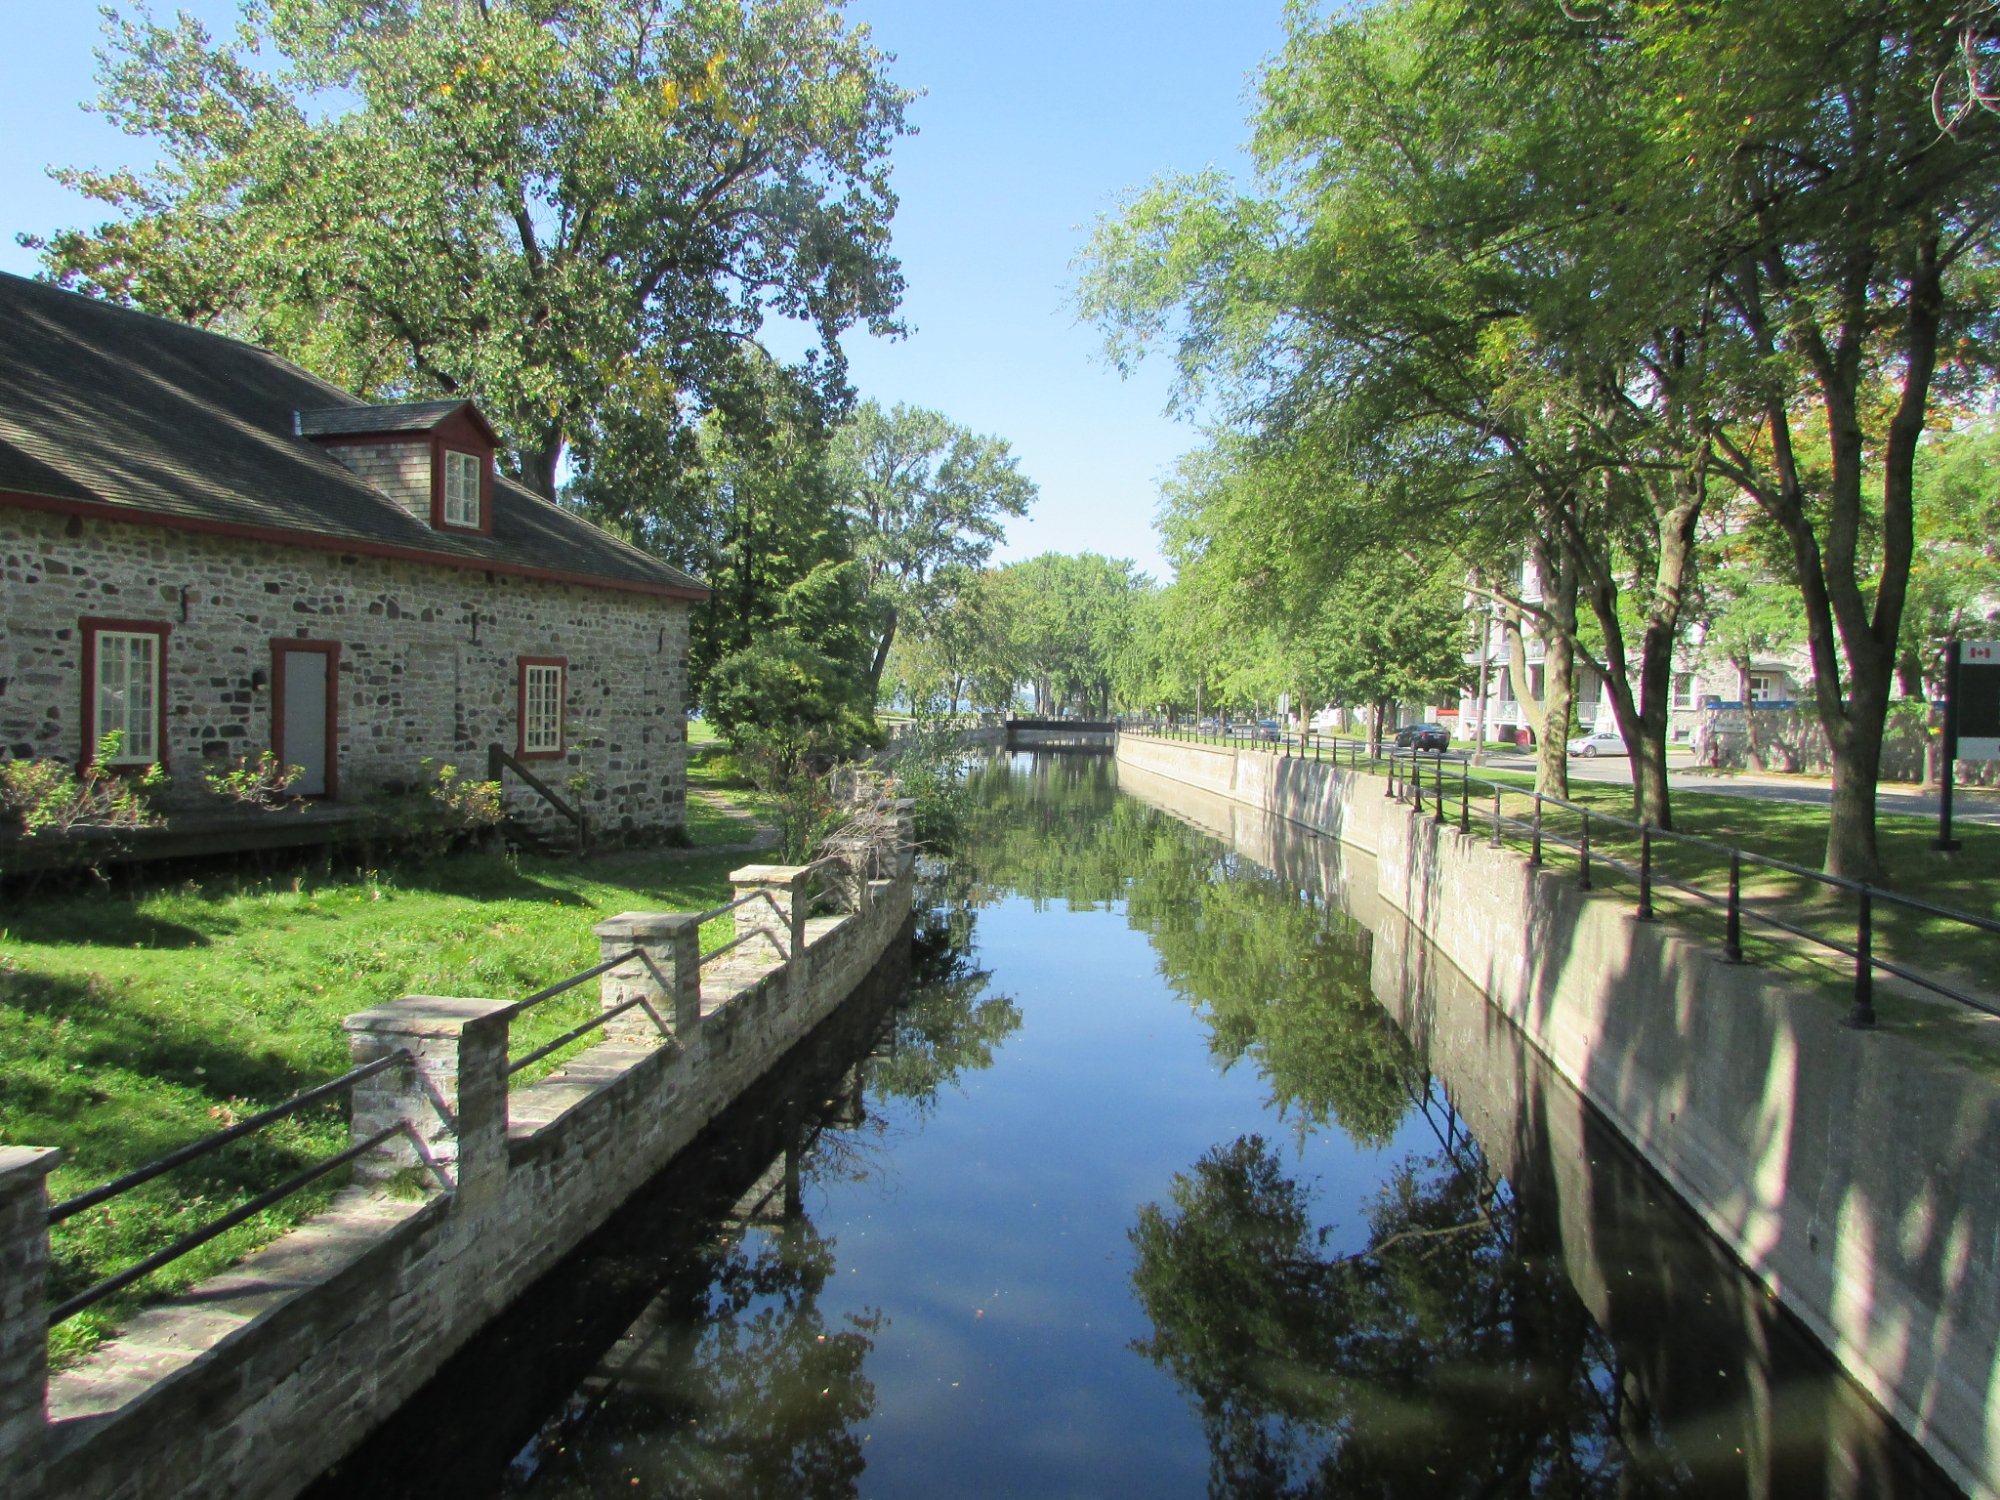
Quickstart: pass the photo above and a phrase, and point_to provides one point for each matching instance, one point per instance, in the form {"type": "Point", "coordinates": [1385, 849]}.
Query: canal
{"type": "Point", "coordinates": [1131, 1186]}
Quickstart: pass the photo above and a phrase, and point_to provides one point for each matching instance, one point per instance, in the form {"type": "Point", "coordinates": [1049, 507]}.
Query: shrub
{"type": "Point", "coordinates": [48, 798]}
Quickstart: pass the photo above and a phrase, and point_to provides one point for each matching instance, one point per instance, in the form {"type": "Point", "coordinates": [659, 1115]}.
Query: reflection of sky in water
{"type": "Point", "coordinates": [991, 1226]}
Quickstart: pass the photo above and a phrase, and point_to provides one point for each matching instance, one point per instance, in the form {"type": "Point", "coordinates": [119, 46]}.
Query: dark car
{"type": "Point", "coordinates": [1422, 737]}
{"type": "Point", "coordinates": [1267, 729]}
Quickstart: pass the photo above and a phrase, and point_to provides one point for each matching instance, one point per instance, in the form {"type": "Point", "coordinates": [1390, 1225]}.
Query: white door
{"type": "Point", "coordinates": [304, 736]}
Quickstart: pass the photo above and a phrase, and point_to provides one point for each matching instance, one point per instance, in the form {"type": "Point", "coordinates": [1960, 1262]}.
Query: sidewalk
{"type": "Point", "coordinates": [1979, 805]}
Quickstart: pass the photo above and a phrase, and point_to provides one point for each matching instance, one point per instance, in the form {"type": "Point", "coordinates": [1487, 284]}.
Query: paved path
{"type": "Point", "coordinates": [1968, 805]}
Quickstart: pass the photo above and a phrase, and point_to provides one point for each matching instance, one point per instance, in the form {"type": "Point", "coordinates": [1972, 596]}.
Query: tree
{"type": "Point", "coordinates": [1069, 624]}
{"type": "Point", "coordinates": [1387, 632]}
{"type": "Point", "coordinates": [928, 500]}
{"type": "Point", "coordinates": [554, 209]}
{"type": "Point", "coordinates": [1855, 246]}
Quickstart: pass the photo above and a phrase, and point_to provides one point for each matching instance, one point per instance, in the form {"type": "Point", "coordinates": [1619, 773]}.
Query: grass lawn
{"type": "Point", "coordinates": [133, 1021]}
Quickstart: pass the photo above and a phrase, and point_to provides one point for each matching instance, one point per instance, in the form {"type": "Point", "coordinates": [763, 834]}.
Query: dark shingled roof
{"type": "Point", "coordinates": [114, 408]}
{"type": "Point", "coordinates": [402, 416]}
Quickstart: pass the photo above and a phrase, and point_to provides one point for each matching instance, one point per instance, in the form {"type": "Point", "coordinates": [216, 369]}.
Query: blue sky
{"type": "Point", "coordinates": [1037, 116]}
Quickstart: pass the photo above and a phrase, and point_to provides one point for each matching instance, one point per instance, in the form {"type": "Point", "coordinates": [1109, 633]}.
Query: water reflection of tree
{"type": "Point", "coordinates": [1449, 1358]}
{"type": "Point", "coordinates": [948, 1024]}
{"type": "Point", "coordinates": [732, 1384]}
{"type": "Point", "coordinates": [1279, 980]}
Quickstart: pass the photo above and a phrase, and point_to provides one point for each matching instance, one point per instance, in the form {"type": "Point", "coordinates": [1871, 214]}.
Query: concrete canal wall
{"type": "Point", "coordinates": [254, 1382]}
{"type": "Point", "coordinates": [1851, 1172]}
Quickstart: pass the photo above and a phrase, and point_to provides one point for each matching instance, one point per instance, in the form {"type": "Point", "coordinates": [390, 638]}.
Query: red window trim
{"type": "Point", "coordinates": [521, 750]}
{"type": "Point", "coordinates": [89, 626]}
{"type": "Point", "coordinates": [281, 647]}
{"type": "Point", "coordinates": [439, 447]}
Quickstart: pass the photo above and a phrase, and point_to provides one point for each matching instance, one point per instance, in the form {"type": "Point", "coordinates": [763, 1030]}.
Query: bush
{"type": "Point", "coordinates": [47, 798]}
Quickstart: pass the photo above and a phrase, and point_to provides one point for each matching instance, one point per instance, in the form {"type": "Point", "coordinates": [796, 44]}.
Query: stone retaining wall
{"type": "Point", "coordinates": [254, 1382]}
{"type": "Point", "coordinates": [1851, 1172]}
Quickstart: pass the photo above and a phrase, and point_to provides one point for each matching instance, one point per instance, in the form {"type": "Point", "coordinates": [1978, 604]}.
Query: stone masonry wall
{"type": "Point", "coordinates": [427, 661]}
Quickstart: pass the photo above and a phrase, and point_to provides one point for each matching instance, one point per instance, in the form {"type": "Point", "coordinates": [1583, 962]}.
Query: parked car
{"type": "Point", "coordinates": [1266, 729]}
{"type": "Point", "coordinates": [1209, 725]}
{"type": "Point", "coordinates": [1326, 721]}
{"type": "Point", "coordinates": [1422, 737]}
{"type": "Point", "coordinates": [1598, 742]}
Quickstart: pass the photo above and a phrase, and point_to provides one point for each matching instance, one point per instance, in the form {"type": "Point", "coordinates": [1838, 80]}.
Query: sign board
{"type": "Point", "coordinates": [1978, 700]}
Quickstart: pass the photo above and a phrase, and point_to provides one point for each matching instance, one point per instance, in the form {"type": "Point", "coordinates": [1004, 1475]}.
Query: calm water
{"type": "Point", "coordinates": [1135, 1190]}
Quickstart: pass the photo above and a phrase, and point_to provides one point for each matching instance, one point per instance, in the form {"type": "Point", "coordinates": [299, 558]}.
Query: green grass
{"type": "Point", "coordinates": [132, 1022]}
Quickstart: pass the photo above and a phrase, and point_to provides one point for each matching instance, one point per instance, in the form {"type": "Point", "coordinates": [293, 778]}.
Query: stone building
{"type": "Point", "coordinates": [213, 552]}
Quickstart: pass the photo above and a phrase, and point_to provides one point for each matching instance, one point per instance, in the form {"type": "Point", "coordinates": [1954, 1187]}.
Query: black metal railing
{"type": "Point", "coordinates": [1433, 781]}
{"type": "Point", "coordinates": [207, 1146]}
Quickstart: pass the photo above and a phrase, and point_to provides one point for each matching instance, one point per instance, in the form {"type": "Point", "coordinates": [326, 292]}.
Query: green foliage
{"type": "Point", "coordinates": [565, 212]}
{"type": "Point", "coordinates": [927, 765]}
{"type": "Point", "coordinates": [1069, 627]}
{"type": "Point", "coordinates": [50, 800]}
{"type": "Point", "coordinates": [928, 500]}
{"type": "Point", "coordinates": [460, 804]}
{"type": "Point", "coordinates": [261, 783]}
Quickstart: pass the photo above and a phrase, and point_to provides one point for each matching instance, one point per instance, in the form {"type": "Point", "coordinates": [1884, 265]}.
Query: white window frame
{"type": "Point", "coordinates": [1684, 690]}
{"type": "Point", "coordinates": [463, 473]}
{"type": "Point", "coordinates": [114, 707]}
{"type": "Point", "coordinates": [543, 685]}
{"type": "Point", "coordinates": [1767, 687]}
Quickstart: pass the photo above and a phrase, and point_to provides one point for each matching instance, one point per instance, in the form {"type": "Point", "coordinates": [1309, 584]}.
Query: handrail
{"type": "Point", "coordinates": [208, 1144]}
{"type": "Point", "coordinates": [196, 1239]}
{"type": "Point", "coordinates": [195, 1150]}
{"type": "Point", "coordinates": [1405, 769]}
{"type": "Point", "coordinates": [499, 761]}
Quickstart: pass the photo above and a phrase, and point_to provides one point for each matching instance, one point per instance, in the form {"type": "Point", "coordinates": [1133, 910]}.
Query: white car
{"type": "Point", "coordinates": [1598, 742]}
{"type": "Point", "coordinates": [1326, 720]}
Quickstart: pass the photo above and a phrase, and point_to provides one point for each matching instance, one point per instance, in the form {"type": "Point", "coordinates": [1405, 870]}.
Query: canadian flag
{"type": "Point", "coordinates": [1982, 650]}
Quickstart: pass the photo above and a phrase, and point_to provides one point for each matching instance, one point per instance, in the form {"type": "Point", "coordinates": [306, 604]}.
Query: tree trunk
{"type": "Point", "coordinates": [881, 661]}
{"type": "Point", "coordinates": [1559, 592]}
{"type": "Point", "coordinates": [538, 466]}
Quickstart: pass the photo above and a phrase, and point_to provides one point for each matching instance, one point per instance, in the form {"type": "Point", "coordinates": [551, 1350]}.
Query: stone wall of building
{"type": "Point", "coordinates": [428, 664]}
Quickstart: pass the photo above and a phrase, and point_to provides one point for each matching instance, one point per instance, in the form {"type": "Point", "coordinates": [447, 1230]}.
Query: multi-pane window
{"type": "Point", "coordinates": [461, 489]}
{"type": "Point", "coordinates": [125, 695]}
{"type": "Point", "coordinates": [541, 708]}
{"type": "Point", "coordinates": [1683, 690]}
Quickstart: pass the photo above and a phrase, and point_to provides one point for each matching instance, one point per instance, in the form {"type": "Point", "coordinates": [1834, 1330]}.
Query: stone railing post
{"type": "Point", "coordinates": [666, 975]}
{"type": "Point", "coordinates": [903, 858]}
{"type": "Point", "coordinates": [783, 916]}
{"type": "Point", "coordinates": [847, 874]}
{"type": "Point", "coordinates": [24, 1321]}
{"type": "Point", "coordinates": [452, 1094]}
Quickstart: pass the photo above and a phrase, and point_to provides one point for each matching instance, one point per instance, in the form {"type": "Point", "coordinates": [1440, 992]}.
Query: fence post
{"type": "Point", "coordinates": [1535, 853]}
{"type": "Point", "coordinates": [1496, 815]}
{"type": "Point", "coordinates": [1583, 852]}
{"type": "Point", "coordinates": [1464, 797]}
{"type": "Point", "coordinates": [1732, 942]}
{"type": "Point", "coordinates": [24, 1316]}
{"type": "Point", "coordinates": [450, 1093]}
{"type": "Point", "coordinates": [1438, 787]}
{"type": "Point", "coordinates": [1645, 872]}
{"type": "Point", "coordinates": [1862, 1017]}
{"type": "Point", "coordinates": [786, 924]}
{"type": "Point", "coordinates": [667, 973]}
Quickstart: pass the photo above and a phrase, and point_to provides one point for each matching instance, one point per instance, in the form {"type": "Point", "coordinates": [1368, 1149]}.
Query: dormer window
{"type": "Point", "coordinates": [462, 473]}
{"type": "Point", "coordinates": [432, 458]}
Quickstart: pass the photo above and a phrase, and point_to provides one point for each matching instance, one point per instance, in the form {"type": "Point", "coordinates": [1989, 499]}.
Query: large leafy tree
{"type": "Point", "coordinates": [554, 207]}
{"type": "Point", "coordinates": [928, 500]}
